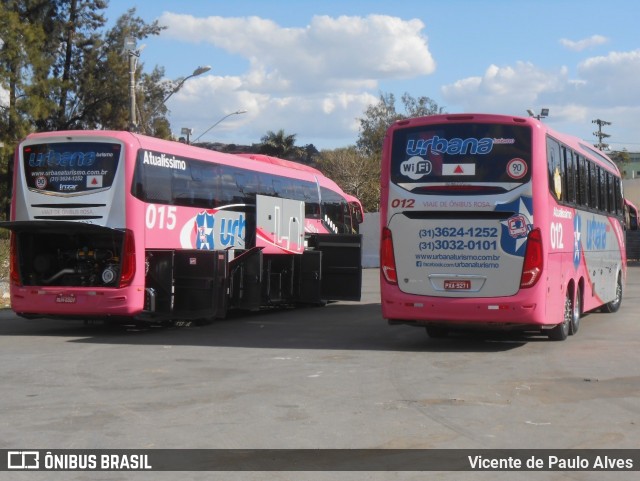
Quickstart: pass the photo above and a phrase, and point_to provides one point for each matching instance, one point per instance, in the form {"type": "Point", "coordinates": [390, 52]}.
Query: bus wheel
{"type": "Point", "coordinates": [561, 331]}
{"type": "Point", "coordinates": [437, 331]}
{"type": "Point", "coordinates": [614, 305]}
{"type": "Point", "coordinates": [576, 313]}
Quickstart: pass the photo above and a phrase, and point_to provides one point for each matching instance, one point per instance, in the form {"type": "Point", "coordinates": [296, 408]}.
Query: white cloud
{"type": "Point", "coordinates": [606, 87]}
{"type": "Point", "coordinates": [613, 79]}
{"type": "Point", "coordinates": [315, 81]}
{"type": "Point", "coordinates": [329, 53]}
{"type": "Point", "coordinates": [501, 89]}
{"type": "Point", "coordinates": [580, 45]}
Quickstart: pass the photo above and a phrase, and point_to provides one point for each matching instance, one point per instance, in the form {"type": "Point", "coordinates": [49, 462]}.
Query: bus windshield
{"type": "Point", "coordinates": [461, 159]}
{"type": "Point", "coordinates": [70, 168]}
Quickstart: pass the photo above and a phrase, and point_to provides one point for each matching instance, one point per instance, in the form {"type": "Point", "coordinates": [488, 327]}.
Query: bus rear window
{"type": "Point", "coordinates": [461, 159]}
{"type": "Point", "coordinates": [69, 168]}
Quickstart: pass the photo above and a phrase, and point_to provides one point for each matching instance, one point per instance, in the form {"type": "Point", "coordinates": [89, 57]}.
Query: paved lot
{"type": "Point", "coordinates": [332, 377]}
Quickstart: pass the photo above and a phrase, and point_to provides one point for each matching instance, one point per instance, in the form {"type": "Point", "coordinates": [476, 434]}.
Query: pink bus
{"type": "Point", "coordinates": [497, 221]}
{"type": "Point", "coordinates": [119, 226]}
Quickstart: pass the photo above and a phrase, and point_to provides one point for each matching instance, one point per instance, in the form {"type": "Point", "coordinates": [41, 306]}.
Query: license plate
{"type": "Point", "coordinates": [457, 285]}
{"type": "Point", "coordinates": [66, 299]}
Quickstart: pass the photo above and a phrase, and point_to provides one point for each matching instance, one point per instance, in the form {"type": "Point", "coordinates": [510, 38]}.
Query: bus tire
{"type": "Point", "coordinates": [613, 306]}
{"type": "Point", "coordinates": [576, 313]}
{"type": "Point", "coordinates": [561, 331]}
{"type": "Point", "coordinates": [437, 331]}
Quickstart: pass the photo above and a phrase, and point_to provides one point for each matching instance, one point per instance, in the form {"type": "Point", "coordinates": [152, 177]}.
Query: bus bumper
{"type": "Point", "coordinates": [499, 312]}
{"type": "Point", "coordinates": [84, 303]}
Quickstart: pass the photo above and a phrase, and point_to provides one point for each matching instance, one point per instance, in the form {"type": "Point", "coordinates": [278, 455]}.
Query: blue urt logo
{"type": "Point", "coordinates": [577, 251]}
{"type": "Point", "coordinates": [204, 231]}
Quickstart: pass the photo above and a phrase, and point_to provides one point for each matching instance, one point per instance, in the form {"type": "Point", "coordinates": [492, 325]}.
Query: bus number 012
{"type": "Point", "coordinates": [404, 203]}
{"type": "Point", "coordinates": [162, 216]}
{"type": "Point", "coordinates": [556, 236]}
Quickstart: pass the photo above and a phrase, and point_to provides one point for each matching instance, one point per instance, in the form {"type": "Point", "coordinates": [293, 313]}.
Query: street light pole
{"type": "Point", "coordinates": [186, 131]}
{"type": "Point", "coordinates": [134, 54]}
{"type": "Point", "coordinates": [543, 114]}
{"type": "Point", "coordinates": [237, 112]}
{"type": "Point", "coordinates": [130, 48]}
{"type": "Point", "coordinates": [196, 72]}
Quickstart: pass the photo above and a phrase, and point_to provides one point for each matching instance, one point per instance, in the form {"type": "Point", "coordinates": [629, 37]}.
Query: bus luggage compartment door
{"type": "Point", "coordinates": [200, 283]}
{"type": "Point", "coordinates": [341, 270]}
{"type": "Point", "coordinates": [308, 270]}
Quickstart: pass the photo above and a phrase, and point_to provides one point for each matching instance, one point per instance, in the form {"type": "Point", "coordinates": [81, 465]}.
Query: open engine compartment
{"type": "Point", "coordinates": [69, 255]}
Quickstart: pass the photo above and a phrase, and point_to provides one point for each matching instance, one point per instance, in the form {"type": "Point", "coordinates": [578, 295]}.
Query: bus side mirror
{"type": "Point", "coordinates": [357, 212]}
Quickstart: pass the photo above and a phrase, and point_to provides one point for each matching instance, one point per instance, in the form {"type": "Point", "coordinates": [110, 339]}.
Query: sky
{"type": "Point", "coordinates": [311, 67]}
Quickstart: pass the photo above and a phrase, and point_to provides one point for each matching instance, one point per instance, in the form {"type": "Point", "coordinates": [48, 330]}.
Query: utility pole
{"type": "Point", "coordinates": [600, 134]}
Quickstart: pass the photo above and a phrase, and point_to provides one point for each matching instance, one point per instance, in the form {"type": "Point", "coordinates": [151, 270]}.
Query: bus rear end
{"type": "Point", "coordinates": [71, 253]}
{"type": "Point", "coordinates": [459, 245]}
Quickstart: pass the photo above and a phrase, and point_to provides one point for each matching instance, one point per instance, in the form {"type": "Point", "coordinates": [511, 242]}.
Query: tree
{"type": "Point", "coordinates": [61, 71]}
{"type": "Point", "coordinates": [355, 173]}
{"type": "Point", "coordinates": [364, 162]}
{"type": "Point", "coordinates": [24, 57]}
{"type": "Point", "coordinates": [279, 144]}
{"type": "Point", "coordinates": [104, 94]}
{"type": "Point", "coordinates": [78, 38]}
{"type": "Point", "coordinates": [621, 158]}
{"type": "Point", "coordinates": [379, 117]}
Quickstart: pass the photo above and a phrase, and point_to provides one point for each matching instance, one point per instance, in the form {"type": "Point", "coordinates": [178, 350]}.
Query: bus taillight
{"type": "Point", "coordinates": [128, 259]}
{"type": "Point", "coordinates": [387, 259]}
{"type": "Point", "coordinates": [533, 260]}
{"type": "Point", "coordinates": [14, 272]}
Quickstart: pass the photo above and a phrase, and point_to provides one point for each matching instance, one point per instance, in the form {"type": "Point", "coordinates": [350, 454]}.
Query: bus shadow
{"type": "Point", "coordinates": [339, 326]}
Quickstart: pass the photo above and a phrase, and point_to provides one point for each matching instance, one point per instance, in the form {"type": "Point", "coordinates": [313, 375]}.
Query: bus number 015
{"type": "Point", "coordinates": [162, 216]}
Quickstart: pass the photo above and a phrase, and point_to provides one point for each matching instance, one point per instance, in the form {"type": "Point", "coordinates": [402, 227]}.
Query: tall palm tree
{"type": "Point", "coordinates": [279, 144]}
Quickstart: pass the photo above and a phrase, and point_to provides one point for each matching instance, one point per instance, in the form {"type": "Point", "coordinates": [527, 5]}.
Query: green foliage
{"type": "Point", "coordinates": [620, 157]}
{"type": "Point", "coordinates": [379, 117]}
{"type": "Point", "coordinates": [355, 173]}
{"type": "Point", "coordinates": [63, 70]}
{"type": "Point", "coordinates": [373, 128]}
{"type": "Point", "coordinates": [279, 144]}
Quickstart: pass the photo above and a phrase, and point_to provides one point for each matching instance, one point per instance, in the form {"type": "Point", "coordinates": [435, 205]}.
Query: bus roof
{"type": "Point", "coordinates": [256, 162]}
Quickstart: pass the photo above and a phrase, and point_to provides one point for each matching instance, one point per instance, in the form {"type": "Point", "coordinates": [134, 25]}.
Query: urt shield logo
{"type": "Point", "coordinates": [577, 251]}
{"type": "Point", "coordinates": [204, 231]}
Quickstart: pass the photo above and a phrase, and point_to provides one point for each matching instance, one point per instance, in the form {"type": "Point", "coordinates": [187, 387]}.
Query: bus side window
{"type": "Point", "coordinates": [569, 175]}
{"type": "Point", "coordinates": [593, 185]}
{"type": "Point", "coordinates": [555, 168]}
{"type": "Point", "coordinates": [582, 191]}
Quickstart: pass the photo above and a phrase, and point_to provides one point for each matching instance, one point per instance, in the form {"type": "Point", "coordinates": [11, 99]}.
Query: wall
{"type": "Point", "coordinates": [632, 190]}
{"type": "Point", "coordinates": [370, 230]}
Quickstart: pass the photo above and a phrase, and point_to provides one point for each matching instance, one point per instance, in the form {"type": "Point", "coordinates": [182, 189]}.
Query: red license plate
{"type": "Point", "coordinates": [66, 299]}
{"type": "Point", "coordinates": [457, 285]}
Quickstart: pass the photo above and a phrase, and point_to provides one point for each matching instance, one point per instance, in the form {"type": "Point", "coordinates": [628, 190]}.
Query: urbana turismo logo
{"type": "Point", "coordinates": [417, 166]}
{"type": "Point", "coordinates": [455, 146]}
{"type": "Point", "coordinates": [62, 159]}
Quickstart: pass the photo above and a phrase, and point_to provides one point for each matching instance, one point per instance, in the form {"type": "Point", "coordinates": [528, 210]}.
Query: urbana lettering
{"type": "Point", "coordinates": [454, 146]}
{"type": "Point", "coordinates": [62, 159]}
{"type": "Point", "coordinates": [163, 160]}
